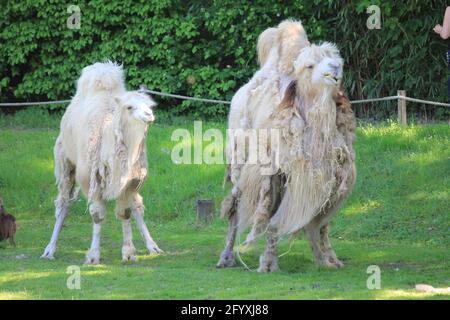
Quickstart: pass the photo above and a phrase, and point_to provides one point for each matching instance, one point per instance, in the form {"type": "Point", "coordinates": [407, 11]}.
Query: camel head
{"type": "Point", "coordinates": [319, 68]}
{"type": "Point", "coordinates": [136, 107]}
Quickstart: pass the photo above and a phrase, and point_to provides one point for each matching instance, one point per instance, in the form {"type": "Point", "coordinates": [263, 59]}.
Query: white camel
{"type": "Point", "coordinates": [102, 149]}
{"type": "Point", "coordinates": [316, 161]}
{"type": "Point", "coordinates": [277, 48]}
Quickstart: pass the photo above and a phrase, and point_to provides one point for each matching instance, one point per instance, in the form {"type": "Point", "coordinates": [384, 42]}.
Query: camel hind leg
{"type": "Point", "coordinates": [271, 193]}
{"type": "Point", "coordinates": [235, 159]}
{"type": "Point", "coordinates": [65, 178]}
{"type": "Point", "coordinates": [227, 258]}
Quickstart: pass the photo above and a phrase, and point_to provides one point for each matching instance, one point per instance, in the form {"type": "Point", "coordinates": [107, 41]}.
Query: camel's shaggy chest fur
{"type": "Point", "coordinates": [316, 161]}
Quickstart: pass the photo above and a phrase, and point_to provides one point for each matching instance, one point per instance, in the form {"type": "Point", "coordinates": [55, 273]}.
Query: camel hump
{"type": "Point", "coordinates": [101, 77]}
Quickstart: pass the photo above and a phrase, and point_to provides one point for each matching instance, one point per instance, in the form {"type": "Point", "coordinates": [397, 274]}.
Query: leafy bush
{"type": "Point", "coordinates": [207, 48]}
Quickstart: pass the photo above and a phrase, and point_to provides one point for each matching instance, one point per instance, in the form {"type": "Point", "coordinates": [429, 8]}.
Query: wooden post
{"type": "Point", "coordinates": [205, 210]}
{"type": "Point", "coordinates": [402, 120]}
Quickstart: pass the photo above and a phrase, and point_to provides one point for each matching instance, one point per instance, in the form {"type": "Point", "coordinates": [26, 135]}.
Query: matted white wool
{"type": "Point", "coordinates": [312, 153]}
{"type": "Point", "coordinates": [310, 172]}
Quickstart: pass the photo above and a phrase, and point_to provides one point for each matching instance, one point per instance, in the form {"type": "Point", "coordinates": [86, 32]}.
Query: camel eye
{"type": "Point", "coordinates": [129, 107]}
{"type": "Point", "coordinates": [310, 66]}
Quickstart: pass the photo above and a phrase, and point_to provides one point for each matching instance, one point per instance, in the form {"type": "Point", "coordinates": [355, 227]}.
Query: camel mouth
{"type": "Point", "coordinates": [333, 78]}
{"type": "Point", "coordinates": [148, 120]}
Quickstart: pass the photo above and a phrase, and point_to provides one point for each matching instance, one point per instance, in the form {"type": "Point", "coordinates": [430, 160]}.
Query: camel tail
{"type": "Point", "coordinates": [227, 176]}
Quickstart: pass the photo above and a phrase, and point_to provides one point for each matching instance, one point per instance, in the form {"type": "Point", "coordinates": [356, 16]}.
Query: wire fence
{"type": "Point", "coordinates": [177, 96]}
{"type": "Point", "coordinates": [401, 98]}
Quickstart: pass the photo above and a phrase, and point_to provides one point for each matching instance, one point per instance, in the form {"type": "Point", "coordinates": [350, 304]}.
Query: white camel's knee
{"type": "Point", "coordinates": [123, 214]}
{"type": "Point", "coordinates": [98, 212]}
{"type": "Point", "coordinates": [123, 208]}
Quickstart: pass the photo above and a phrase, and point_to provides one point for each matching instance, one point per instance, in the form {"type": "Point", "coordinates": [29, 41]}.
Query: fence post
{"type": "Point", "coordinates": [402, 108]}
{"type": "Point", "coordinates": [205, 210]}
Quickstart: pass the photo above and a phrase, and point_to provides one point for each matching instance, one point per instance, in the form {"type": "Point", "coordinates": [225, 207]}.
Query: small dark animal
{"type": "Point", "coordinates": [7, 225]}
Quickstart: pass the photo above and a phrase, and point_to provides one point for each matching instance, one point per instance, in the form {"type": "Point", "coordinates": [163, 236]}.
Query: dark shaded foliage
{"type": "Point", "coordinates": [207, 48]}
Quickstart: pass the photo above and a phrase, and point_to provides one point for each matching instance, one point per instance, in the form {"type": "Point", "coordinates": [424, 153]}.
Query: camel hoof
{"type": "Point", "coordinates": [49, 253]}
{"type": "Point", "coordinates": [130, 258]}
{"type": "Point", "coordinates": [154, 249]}
{"type": "Point", "coordinates": [48, 256]}
{"type": "Point", "coordinates": [93, 257]}
{"type": "Point", "coordinates": [266, 268]}
{"type": "Point", "coordinates": [226, 260]}
{"type": "Point", "coordinates": [332, 263]}
{"type": "Point", "coordinates": [128, 254]}
{"type": "Point", "coordinates": [92, 261]}
{"type": "Point", "coordinates": [268, 265]}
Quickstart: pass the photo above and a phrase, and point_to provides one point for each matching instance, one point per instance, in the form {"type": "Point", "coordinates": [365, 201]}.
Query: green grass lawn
{"type": "Point", "coordinates": [398, 217]}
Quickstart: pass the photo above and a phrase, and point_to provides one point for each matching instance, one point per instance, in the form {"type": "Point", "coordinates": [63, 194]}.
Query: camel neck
{"type": "Point", "coordinates": [134, 137]}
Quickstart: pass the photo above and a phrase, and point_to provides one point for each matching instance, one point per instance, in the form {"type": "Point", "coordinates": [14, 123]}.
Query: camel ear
{"type": "Point", "coordinates": [289, 96]}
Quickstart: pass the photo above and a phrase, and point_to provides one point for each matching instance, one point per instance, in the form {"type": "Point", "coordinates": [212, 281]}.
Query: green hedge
{"type": "Point", "coordinates": [207, 48]}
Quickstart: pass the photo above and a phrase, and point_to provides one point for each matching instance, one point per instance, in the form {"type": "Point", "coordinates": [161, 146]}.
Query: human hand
{"type": "Point", "coordinates": [438, 29]}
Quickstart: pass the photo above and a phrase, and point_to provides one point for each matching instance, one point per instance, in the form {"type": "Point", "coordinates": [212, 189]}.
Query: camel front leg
{"type": "Point", "coordinates": [326, 247]}
{"type": "Point", "coordinates": [324, 255]}
{"type": "Point", "coordinates": [313, 235]}
{"type": "Point", "coordinates": [138, 213]}
{"type": "Point", "coordinates": [98, 213]}
{"type": "Point", "coordinates": [123, 212]}
{"type": "Point", "coordinates": [128, 249]}
{"type": "Point", "coordinates": [317, 234]}
{"type": "Point", "coordinates": [268, 262]}
{"type": "Point", "coordinates": [317, 230]}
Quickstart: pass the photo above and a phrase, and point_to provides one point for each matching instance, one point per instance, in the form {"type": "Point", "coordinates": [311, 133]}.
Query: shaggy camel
{"type": "Point", "coordinates": [102, 148]}
{"type": "Point", "coordinates": [277, 49]}
{"type": "Point", "coordinates": [316, 161]}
